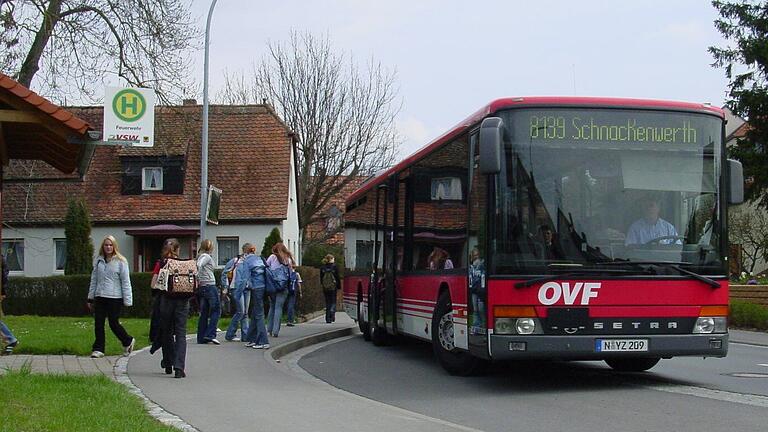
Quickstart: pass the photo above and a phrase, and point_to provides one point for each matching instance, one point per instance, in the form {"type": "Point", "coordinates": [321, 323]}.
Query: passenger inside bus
{"type": "Point", "coordinates": [651, 228]}
{"type": "Point", "coordinates": [439, 259]}
{"type": "Point", "coordinates": [550, 247]}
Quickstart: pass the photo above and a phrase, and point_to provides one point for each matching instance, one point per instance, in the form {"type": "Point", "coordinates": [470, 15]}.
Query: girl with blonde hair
{"type": "Point", "coordinates": [281, 256]}
{"type": "Point", "coordinates": [109, 291]}
{"type": "Point", "coordinates": [208, 295]}
{"type": "Point", "coordinates": [330, 282]}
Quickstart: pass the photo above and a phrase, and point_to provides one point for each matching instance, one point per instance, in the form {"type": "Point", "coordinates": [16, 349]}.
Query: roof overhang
{"type": "Point", "coordinates": [163, 231]}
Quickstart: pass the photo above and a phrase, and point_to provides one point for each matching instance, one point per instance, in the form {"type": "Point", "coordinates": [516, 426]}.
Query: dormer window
{"type": "Point", "coordinates": [152, 179]}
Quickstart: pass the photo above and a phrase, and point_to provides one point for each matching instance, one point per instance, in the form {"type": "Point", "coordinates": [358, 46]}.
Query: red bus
{"type": "Point", "coordinates": [567, 228]}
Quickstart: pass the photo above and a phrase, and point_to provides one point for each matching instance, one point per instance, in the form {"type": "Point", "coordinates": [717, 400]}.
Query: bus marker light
{"type": "Point", "coordinates": [504, 326]}
{"type": "Point", "coordinates": [714, 311]}
{"type": "Point", "coordinates": [514, 312]}
{"type": "Point", "coordinates": [517, 346]}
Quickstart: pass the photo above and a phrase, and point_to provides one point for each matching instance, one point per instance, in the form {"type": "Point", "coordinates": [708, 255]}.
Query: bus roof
{"type": "Point", "coordinates": [520, 102]}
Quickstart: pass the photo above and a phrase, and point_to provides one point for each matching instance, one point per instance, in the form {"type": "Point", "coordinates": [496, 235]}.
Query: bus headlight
{"type": "Point", "coordinates": [706, 325]}
{"type": "Point", "coordinates": [504, 326]}
{"type": "Point", "coordinates": [525, 326]}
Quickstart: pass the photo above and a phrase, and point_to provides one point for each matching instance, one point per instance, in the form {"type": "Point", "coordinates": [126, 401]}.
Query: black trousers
{"type": "Point", "coordinates": [173, 330]}
{"type": "Point", "coordinates": [108, 309]}
{"type": "Point", "coordinates": [330, 306]}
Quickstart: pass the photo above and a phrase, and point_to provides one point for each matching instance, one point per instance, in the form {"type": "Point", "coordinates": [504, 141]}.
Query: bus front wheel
{"type": "Point", "coordinates": [453, 360]}
{"type": "Point", "coordinates": [632, 364]}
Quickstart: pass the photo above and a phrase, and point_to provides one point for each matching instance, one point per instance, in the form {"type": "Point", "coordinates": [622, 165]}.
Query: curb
{"type": "Point", "coordinates": [282, 350]}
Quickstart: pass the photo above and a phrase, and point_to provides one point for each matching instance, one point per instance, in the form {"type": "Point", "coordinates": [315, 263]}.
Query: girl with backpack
{"type": "Point", "coordinates": [240, 297]}
{"type": "Point", "coordinates": [280, 262]}
{"type": "Point", "coordinates": [172, 320]}
{"type": "Point", "coordinates": [110, 290]}
{"type": "Point", "coordinates": [251, 272]}
{"type": "Point", "coordinates": [210, 304]}
{"type": "Point", "coordinates": [329, 280]}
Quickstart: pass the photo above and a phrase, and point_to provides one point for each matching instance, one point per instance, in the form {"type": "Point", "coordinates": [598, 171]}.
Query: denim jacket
{"type": "Point", "coordinates": [252, 269]}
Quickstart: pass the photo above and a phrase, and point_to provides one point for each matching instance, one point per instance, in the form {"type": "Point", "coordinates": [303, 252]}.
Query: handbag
{"type": "Point", "coordinates": [161, 283]}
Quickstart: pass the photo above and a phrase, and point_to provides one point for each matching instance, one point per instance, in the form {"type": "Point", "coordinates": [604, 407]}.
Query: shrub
{"type": "Point", "coordinates": [314, 254]}
{"type": "Point", "coordinates": [312, 299]}
{"type": "Point", "coordinates": [750, 315]}
{"type": "Point", "coordinates": [77, 229]}
{"type": "Point", "coordinates": [271, 240]}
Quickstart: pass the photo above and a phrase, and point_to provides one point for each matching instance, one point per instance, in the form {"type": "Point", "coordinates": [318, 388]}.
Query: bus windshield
{"type": "Point", "coordinates": [582, 187]}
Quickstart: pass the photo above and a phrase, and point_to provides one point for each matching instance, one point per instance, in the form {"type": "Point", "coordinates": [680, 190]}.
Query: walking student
{"type": "Point", "coordinates": [251, 272]}
{"type": "Point", "coordinates": [110, 290]}
{"type": "Point", "coordinates": [330, 282]}
{"type": "Point", "coordinates": [293, 294]}
{"type": "Point", "coordinates": [240, 297]}
{"type": "Point", "coordinates": [173, 318]}
{"type": "Point", "coordinates": [281, 260]}
{"type": "Point", "coordinates": [208, 296]}
{"type": "Point", "coordinates": [9, 339]}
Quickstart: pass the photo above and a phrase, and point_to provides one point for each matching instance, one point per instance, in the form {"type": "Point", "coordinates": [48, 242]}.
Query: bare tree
{"type": "Point", "coordinates": [343, 117]}
{"type": "Point", "coordinates": [749, 228]}
{"type": "Point", "coordinates": [68, 47]}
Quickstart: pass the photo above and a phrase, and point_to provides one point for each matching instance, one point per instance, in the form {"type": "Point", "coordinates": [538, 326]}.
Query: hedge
{"type": "Point", "coordinates": [748, 315]}
{"type": "Point", "coordinates": [66, 295]}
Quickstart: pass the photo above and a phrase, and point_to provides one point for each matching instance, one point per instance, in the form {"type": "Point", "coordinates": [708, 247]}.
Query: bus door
{"type": "Point", "coordinates": [393, 251]}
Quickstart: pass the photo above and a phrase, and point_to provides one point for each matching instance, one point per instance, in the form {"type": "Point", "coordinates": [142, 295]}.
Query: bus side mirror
{"type": "Point", "coordinates": [491, 142]}
{"type": "Point", "coordinates": [735, 182]}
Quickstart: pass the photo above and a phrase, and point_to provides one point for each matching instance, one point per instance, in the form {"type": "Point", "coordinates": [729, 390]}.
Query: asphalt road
{"type": "Point", "coordinates": [683, 394]}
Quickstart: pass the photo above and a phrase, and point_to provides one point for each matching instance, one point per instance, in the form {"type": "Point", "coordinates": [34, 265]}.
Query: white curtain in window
{"type": "Point", "coordinates": [61, 254]}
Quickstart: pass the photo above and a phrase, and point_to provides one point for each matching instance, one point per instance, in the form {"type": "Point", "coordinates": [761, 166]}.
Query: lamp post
{"type": "Point", "coordinates": [204, 152]}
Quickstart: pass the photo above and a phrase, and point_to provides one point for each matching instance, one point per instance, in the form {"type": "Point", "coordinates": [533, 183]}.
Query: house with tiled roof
{"type": "Point", "coordinates": [143, 195]}
{"type": "Point", "coordinates": [327, 226]}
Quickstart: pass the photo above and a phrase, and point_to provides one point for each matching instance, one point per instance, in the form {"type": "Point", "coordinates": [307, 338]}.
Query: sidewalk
{"type": "Point", "coordinates": [59, 364]}
{"type": "Point", "coordinates": [749, 337]}
{"type": "Point", "coordinates": [230, 387]}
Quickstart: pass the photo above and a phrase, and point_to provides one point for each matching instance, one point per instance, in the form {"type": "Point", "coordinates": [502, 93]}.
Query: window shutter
{"type": "Point", "coordinates": [131, 180]}
{"type": "Point", "coordinates": [173, 180]}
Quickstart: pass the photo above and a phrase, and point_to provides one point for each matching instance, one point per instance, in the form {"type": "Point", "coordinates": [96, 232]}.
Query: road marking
{"type": "Point", "coordinates": [763, 364]}
{"type": "Point", "coordinates": [746, 399]}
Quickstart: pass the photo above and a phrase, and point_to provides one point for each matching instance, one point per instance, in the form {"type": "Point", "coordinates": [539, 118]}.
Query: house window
{"type": "Point", "coordinates": [60, 248]}
{"type": "Point", "coordinates": [13, 251]}
{"type": "Point", "coordinates": [152, 179]}
{"type": "Point", "coordinates": [227, 248]}
{"type": "Point", "coordinates": [446, 188]}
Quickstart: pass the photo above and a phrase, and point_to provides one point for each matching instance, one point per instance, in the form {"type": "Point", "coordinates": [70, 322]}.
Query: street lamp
{"type": "Point", "coordinates": [204, 153]}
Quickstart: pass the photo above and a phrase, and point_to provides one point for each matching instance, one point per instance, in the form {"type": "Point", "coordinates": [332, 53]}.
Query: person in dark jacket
{"type": "Point", "coordinates": [330, 282]}
{"type": "Point", "coordinates": [10, 340]}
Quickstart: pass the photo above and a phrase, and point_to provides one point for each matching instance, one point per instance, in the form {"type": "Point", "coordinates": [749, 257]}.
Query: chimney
{"type": "Point", "coordinates": [188, 102]}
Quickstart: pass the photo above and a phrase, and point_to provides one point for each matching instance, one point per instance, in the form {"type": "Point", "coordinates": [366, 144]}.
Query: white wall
{"type": "Point", "coordinates": [290, 226]}
{"type": "Point", "coordinates": [39, 251]}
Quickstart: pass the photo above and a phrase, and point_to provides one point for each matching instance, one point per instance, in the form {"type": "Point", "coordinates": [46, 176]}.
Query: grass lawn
{"type": "Point", "coordinates": [74, 335]}
{"type": "Point", "coordinates": [70, 403]}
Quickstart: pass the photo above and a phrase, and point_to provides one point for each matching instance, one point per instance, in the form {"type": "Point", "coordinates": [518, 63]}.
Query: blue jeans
{"type": "Point", "coordinates": [242, 299]}
{"type": "Point", "coordinates": [210, 311]}
{"type": "Point", "coordinates": [276, 302]}
{"type": "Point", "coordinates": [257, 333]}
{"type": "Point", "coordinates": [291, 307]}
{"type": "Point", "coordinates": [6, 333]}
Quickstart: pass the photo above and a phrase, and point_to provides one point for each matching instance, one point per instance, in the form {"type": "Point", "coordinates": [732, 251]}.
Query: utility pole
{"type": "Point", "coordinates": [204, 153]}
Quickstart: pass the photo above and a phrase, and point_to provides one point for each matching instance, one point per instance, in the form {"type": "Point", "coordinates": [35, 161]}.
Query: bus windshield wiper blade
{"type": "Point", "coordinates": [674, 265]}
{"type": "Point", "coordinates": [534, 281]}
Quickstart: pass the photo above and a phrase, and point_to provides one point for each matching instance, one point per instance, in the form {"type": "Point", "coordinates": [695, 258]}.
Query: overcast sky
{"type": "Point", "coordinates": [452, 57]}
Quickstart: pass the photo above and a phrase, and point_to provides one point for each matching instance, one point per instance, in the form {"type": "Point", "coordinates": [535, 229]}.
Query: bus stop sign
{"type": "Point", "coordinates": [129, 116]}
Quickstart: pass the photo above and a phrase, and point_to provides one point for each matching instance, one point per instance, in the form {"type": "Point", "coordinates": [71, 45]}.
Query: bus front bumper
{"type": "Point", "coordinates": [573, 347]}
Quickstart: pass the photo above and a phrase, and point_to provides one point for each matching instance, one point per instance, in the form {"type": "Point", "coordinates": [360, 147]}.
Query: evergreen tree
{"type": "Point", "coordinates": [77, 229]}
{"type": "Point", "coordinates": [745, 24]}
{"type": "Point", "coordinates": [271, 240]}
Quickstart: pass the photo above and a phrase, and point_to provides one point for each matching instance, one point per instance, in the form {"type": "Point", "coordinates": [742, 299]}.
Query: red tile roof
{"type": "Point", "coordinates": [317, 230]}
{"type": "Point", "coordinates": [249, 159]}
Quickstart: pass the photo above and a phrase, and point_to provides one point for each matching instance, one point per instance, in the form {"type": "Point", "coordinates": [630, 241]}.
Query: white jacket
{"type": "Point", "coordinates": [111, 280]}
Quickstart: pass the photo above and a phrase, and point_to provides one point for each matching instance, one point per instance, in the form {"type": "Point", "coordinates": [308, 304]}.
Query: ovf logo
{"type": "Point", "coordinates": [129, 105]}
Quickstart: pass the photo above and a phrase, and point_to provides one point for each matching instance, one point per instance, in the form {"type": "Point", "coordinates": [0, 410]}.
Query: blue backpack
{"type": "Point", "coordinates": [277, 280]}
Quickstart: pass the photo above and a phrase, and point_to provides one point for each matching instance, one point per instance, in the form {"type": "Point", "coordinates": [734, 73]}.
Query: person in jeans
{"type": "Point", "coordinates": [280, 257]}
{"type": "Point", "coordinates": [8, 338]}
{"type": "Point", "coordinates": [251, 272]}
{"type": "Point", "coordinates": [329, 281]}
{"type": "Point", "coordinates": [109, 291]}
{"type": "Point", "coordinates": [292, 295]}
{"type": "Point", "coordinates": [241, 298]}
{"type": "Point", "coordinates": [208, 295]}
{"type": "Point", "coordinates": [173, 318]}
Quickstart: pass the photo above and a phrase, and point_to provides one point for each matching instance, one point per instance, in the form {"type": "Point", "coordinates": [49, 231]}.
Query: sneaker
{"type": "Point", "coordinates": [264, 346]}
{"type": "Point", "coordinates": [290, 324]}
{"type": "Point", "coordinates": [215, 341]}
{"type": "Point", "coordinates": [128, 349]}
{"type": "Point", "coordinates": [9, 348]}
{"type": "Point", "coordinates": [249, 344]}
{"type": "Point", "coordinates": [234, 339]}
{"type": "Point", "coordinates": [179, 373]}
{"type": "Point", "coordinates": [97, 354]}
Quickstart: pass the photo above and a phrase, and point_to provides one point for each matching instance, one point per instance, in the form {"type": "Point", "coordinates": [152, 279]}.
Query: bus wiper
{"type": "Point", "coordinates": [674, 265]}
{"type": "Point", "coordinates": [537, 280]}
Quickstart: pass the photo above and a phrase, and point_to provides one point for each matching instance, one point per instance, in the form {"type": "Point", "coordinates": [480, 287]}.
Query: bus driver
{"type": "Point", "coordinates": [650, 227]}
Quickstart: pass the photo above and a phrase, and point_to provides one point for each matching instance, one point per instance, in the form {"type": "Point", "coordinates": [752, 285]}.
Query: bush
{"type": "Point", "coordinates": [749, 315]}
{"type": "Point", "coordinates": [312, 299]}
{"type": "Point", "coordinates": [77, 229]}
{"type": "Point", "coordinates": [271, 240]}
{"type": "Point", "coordinates": [314, 254]}
{"type": "Point", "coordinates": [66, 296]}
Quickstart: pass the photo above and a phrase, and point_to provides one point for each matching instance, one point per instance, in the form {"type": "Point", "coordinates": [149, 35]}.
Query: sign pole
{"type": "Point", "coordinates": [204, 153]}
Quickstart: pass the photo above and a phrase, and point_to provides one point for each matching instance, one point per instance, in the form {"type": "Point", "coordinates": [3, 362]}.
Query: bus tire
{"type": "Point", "coordinates": [452, 359]}
{"type": "Point", "coordinates": [632, 364]}
{"type": "Point", "coordinates": [378, 333]}
{"type": "Point", "coordinates": [365, 327]}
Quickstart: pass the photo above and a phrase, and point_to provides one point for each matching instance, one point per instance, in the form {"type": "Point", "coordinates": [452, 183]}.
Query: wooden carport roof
{"type": "Point", "coordinates": [33, 128]}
